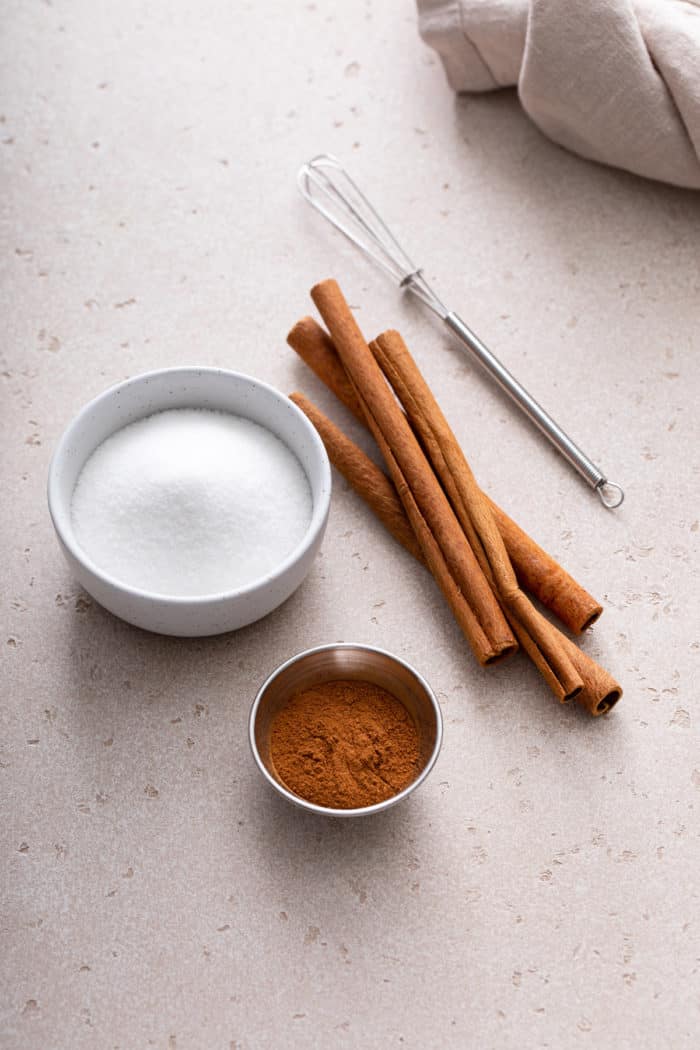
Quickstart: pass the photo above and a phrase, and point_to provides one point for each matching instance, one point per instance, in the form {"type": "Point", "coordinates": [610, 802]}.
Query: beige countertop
{"type": "Point", "coordinates": [541, 890]}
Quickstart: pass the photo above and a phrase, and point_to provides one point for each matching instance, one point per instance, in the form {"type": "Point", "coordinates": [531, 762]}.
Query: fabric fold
{"type": "Point", "coordinates": [617, 81]}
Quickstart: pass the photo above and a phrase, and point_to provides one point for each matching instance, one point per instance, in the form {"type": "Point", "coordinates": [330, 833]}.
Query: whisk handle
{"type": "Point", "coordinates": [610, 494]}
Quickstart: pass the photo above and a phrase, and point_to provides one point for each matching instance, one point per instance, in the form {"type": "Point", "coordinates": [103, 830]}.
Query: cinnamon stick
{"type": "Point", "coordinates": [316, 349]}
{"type": "Point", "coordinates": [600, 691]}
{"type": "Point", "coordinates": [536, 570]}
{"type": "Point", "coordinates": [370, 483]}
{"type": "Point", "coordinates": [474, 513]}
{"type": "Point", "coordinates": [540, 574]}
{"type": "Point", "coordinates": [437, 530]}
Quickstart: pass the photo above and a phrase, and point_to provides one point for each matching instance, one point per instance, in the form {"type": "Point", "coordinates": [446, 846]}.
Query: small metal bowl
{"type": "Point", "coordinates": [351, 661]}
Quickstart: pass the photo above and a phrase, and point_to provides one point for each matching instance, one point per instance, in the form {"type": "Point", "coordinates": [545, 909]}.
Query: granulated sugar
{"type": "Point", "coordinates": [191, 502]}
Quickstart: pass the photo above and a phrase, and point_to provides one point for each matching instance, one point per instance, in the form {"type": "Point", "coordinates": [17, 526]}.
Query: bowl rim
{"type": "Point", "coordinates": [319, 511]}
{"type": "Point", "coordinates": [361, 811]}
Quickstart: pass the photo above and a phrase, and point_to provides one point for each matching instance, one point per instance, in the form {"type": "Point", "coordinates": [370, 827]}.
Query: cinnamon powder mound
{"type": "Point", "coordinates": [345, 744]}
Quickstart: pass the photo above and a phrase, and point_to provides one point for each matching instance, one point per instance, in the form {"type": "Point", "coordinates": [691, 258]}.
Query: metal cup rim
{"type": "Point", "coordinates": [363, 811]}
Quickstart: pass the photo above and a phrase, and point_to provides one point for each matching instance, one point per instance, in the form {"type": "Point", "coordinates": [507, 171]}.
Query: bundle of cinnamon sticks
{"type": "Point", "coordinates": [431, 503]}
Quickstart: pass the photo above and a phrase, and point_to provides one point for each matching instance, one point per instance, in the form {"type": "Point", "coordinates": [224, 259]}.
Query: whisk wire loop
{"type": "Point", "coordinates": [331, 191]}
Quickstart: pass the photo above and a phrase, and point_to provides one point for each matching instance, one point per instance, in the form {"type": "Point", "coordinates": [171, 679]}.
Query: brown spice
{"type": "Point", "coordinates": [345, 745]}
{"type": "Point", "coordinates": [445, 547]}
{"type": "Point", "coordinates": [506, 557]}
{"type": "Point", "coordinates": [536, 570]}
{"type": "Point", "coordinates": [540, 639]}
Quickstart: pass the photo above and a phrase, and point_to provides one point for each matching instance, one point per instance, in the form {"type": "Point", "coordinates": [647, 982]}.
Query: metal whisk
{"type": "Point", "coordinates": [327, 186]}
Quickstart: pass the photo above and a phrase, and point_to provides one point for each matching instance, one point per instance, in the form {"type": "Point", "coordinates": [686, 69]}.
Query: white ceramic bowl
{"type": "Point", "coordinates": [189, 387]}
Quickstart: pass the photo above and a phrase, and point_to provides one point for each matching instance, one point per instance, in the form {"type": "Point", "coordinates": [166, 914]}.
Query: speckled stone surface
{"type": "Point", "coordinates": [541, 890]}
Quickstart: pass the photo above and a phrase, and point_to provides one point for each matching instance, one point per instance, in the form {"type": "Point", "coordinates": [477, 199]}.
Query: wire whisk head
{"type": "Point", "coordinates": [326, 185]}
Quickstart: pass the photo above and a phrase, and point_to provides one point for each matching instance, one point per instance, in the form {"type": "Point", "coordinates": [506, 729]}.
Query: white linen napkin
{"type": "Point", "coordinates": [614, 80]}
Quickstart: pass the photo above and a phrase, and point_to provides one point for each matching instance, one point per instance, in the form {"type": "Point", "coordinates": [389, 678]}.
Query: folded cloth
{"type": "Point", "coordinates": [614, 80]}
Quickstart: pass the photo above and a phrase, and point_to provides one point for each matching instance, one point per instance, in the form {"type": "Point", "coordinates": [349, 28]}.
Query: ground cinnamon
{"type": "Point", "coordinates": [345, 745]}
